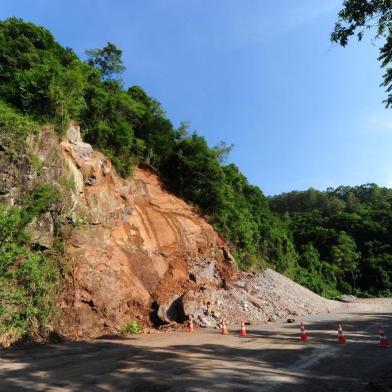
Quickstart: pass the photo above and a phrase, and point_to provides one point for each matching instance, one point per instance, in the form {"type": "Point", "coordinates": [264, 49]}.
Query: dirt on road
{"type": "Point", "coordinates": [270, 358]}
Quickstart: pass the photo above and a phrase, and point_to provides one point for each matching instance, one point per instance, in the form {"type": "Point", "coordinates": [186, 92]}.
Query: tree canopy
{"type": "Point", "coordinates": [343, 236]}
{"type": "Point", "coordinates": [359, 16]}
{"type": "Point", "coordinates": [107, 60]}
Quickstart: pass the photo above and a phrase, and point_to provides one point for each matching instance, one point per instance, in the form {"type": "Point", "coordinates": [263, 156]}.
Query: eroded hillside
{"type": "Point", "coordinates": [134, 251]}
{"type": "Point", "coordinates": [132, 246]}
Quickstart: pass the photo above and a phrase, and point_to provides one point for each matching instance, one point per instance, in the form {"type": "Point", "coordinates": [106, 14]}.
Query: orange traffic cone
{"type": "Point", "coordinates": [341, 338]}
{"type": "Point", "coordinates": [384, 342]}
{"type": "Point", "coordinates": [190, 326]}
{"type": "Point", "coordinates": [304, 337]}
{"type": "Point", "coordinates": [243, 330]}
{"type": "Point", "coordinates": [224, 330]}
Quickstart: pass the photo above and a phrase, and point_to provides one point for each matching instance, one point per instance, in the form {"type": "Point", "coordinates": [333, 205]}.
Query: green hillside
{"type": "Point", "coordinates": [343, 237]}
{"type": "Point", "coordinates": [338, 241]}
{"type": "Point", "coordinates": [48, 83]}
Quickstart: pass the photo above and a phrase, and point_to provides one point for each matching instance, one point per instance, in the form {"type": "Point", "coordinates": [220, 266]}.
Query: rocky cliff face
{"type": "Point", "coordinates": [134, 251]}
{"type": "Point", "coordinates": [133, 248]}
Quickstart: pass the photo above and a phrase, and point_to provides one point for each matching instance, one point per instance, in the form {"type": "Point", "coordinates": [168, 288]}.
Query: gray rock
{"type": "Point", "coordinates": [348, 298]}
{"type": "Point", "coordinates": [41, 230]}
{"type": "Point", "coordinates": [73, 134]}
{"type": "Point", "coordinates": [203, 271]}
{"type": "Point", "coordinates": [171, 311]}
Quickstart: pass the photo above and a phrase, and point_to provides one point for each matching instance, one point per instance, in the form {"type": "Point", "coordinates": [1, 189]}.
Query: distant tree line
{"type": "Point", "coordinates": [343, 238]}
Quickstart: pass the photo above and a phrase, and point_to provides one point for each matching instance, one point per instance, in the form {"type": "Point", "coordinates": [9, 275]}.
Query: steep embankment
{"type": "Point", "coordinates": [134, 251]}
{"type": "Point", "coordinates": [132, 245]}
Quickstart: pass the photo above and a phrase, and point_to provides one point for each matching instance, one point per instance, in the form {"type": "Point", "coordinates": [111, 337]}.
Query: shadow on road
{"type": "Point", "coordinates": [261, 362]}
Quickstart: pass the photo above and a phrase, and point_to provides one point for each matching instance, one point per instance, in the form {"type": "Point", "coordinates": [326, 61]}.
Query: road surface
{"type": "Point", "coordinates": [270, 358]}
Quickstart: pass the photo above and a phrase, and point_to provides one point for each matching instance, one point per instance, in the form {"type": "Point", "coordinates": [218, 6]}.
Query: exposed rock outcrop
{"type": "Point", "coordinates": [135, 248]}
{"type": "Point", "coordinates": [136, 251]}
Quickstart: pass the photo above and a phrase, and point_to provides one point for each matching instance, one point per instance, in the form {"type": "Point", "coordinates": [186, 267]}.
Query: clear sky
{"type": "Point", "coordinates": [260, 74]}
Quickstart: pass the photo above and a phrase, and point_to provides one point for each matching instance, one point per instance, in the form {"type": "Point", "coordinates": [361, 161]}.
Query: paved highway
{"type": "Point", "coordinates": [270, 358]}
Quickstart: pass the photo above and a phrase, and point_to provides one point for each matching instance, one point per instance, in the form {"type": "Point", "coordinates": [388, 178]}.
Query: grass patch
{"type": "Point", "coordinates": [36, 163]}
{"type": "Point", "coordinates": [68, 183]}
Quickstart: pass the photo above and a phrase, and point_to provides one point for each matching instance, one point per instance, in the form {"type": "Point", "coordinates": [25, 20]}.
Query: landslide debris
{"type": "Point", "coordinates": [263, 296]}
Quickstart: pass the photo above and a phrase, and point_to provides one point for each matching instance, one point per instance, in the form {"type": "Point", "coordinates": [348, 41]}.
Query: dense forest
{"type": "Point", "coordinates": [338, 241]}
{"type": "Point", "coordinates": [343, 238]}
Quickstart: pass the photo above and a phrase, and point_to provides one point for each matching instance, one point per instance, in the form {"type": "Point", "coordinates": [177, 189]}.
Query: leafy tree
{"type": "Point", "coordinates": [310, 257]}
{"type": "Point", "coordinates": [358, 16]}
{"type": "Point", "coordinates": [107, 60]}
{"type": "Point", "coordinates": [345, 256]}
{"type": "Point", "coordinates": [37, 75]}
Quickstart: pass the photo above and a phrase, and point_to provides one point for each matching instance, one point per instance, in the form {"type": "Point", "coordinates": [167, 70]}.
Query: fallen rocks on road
{"type": "Point", "coordinates": [263, 296]}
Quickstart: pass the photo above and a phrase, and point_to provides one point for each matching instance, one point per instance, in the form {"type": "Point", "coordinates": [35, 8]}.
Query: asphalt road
{"type": "Point", "coordinates": [270, 358]}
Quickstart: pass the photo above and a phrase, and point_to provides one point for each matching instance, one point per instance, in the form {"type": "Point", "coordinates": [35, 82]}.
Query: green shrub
{"type": "Point", "coordinates": [28, 283]}
{"type": "Point", "coordinates": [41, 199]}
{"type": "Point", "coordinates": [132, 327]}
{"type": "Point", "coordinates": [36, 163]}
{"type": "Point", "coordinates": [15, 128]}
{"type": "Point", "coordinates": [77, 221]}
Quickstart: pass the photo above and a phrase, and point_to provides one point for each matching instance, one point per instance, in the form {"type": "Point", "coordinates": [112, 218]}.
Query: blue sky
{"type": "Point", "coordinates": [259, 74]}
